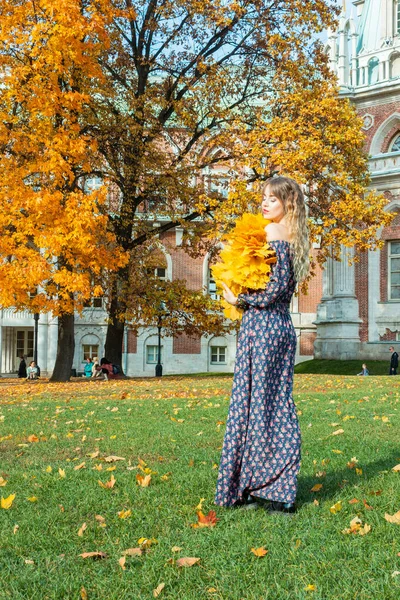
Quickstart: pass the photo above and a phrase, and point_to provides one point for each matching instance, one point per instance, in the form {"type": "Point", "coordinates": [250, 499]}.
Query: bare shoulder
{"type": "Point", "coordinates": [275, 232]}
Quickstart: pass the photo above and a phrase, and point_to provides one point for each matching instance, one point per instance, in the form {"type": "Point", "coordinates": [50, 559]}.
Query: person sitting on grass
{"type": "Point", "coordinates": [88, 367]}
{"type": "Point", "coordinates": [364, 370]}
{"type": "Point", "coordinates": [32, 371]}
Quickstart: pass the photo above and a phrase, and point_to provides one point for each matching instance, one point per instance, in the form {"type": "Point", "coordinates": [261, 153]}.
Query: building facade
{"type": "Point", "coordinates": [359, 312]}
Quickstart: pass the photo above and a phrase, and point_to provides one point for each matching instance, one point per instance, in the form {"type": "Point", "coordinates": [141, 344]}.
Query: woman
{"type": "Point", "coordinates": [261, 452]}
{"type": "Point", "coordinates": [32, 371]}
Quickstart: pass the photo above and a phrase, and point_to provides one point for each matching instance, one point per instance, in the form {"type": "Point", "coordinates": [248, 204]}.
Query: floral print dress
{"type": "Point", "coordinates": [261, 450]}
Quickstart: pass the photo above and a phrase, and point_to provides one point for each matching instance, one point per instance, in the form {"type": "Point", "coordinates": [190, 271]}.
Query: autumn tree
{"type": "Point", "coordinates": [198, 90]}
{"type": "Point", "coordinates": [55, 244]}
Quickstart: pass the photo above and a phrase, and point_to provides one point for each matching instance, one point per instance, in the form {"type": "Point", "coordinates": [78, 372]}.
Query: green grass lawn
{"type": "Point", "coordinates": [342, 367]}
{"type": "Point", "coordinates": [175, 428]}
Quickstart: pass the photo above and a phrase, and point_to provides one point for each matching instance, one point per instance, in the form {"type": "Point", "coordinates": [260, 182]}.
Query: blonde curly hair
{"type": "Point", "coordinates": [290, 194]}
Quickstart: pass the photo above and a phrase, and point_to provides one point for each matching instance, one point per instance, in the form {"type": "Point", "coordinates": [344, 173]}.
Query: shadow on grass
{"type": "Point", "coordinates": [342, 479]}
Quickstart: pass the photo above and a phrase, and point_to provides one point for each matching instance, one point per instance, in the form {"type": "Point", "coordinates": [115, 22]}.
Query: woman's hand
{"type": "Point", "coordinates": [229, 296]}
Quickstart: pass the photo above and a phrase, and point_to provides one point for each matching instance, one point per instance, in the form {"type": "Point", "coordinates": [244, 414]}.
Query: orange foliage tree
{"type": "Point", "coordinates": [186, 107]}
{"type": "Point", "coordinates": [55, 243]}
{"type": "Point", "coordinates": [201, 92]}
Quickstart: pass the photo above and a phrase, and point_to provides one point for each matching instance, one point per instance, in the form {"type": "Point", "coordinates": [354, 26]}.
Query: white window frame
{"type": "Point", "coordinates": [219, 354]}
{"type": "Point", "coordinates": [396, 139]}
{"type": "Point", "coordinates": [212, 286]}
{"type": "Point", "coordinates": [92, 352]}
{"type": "Point", "coordinates": [389, 268]}
{"type": "Point", "coordinates": [155, 361]}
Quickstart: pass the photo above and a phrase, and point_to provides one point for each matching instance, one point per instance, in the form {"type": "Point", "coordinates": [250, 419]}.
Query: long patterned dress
{"type": "Point", "coordinates": [261, 451]}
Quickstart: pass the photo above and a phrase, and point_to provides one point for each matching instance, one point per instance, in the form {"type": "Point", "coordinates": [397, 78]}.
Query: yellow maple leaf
{"type": "Point", "coordinates": [336, 507]}
{"type": "Point", "coordinates": [6, 503]}
{"type": "Point", "coordinates": [259, 552]}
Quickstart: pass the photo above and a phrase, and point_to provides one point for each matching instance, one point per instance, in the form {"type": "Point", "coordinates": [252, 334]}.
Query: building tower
{"type": "Point", "coordinates": [359, 315]}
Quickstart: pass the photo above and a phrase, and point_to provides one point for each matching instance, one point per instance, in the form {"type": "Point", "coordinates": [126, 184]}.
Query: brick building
{"type": "Point", "coordinates": [358, 315]}
{"type": "Point", "coordinates": [349, 311]}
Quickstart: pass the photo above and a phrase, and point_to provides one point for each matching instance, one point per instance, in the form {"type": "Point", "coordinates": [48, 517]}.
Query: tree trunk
{"type": "Point", "coordinates": [65, 349]}
{"type": "Point", "coordinates": [115, 333]}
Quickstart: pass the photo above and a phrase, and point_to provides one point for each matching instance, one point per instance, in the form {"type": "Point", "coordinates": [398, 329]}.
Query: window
{"type": "Point", "coordinates": [395, 147]}
{"type": "Point", "coordinates": [90, 351]}
{"type": "Point", "coordinates": [152, 355]}
{"type": "Point", "coordinates": [394, 270]}
{"type": "Point", "coordinates": [94, 303]}
{"type": "Point", "coordinates": [212, 287]}
{"type": "Point", "coordinates": [398, 17]}
{"type": "Point", "coordinates": [218, 355]}
{"type": "Point", "coordinates": [24, 343]}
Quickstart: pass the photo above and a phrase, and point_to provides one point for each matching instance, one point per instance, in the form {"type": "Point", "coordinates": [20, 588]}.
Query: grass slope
{"type": "Point", "coordinates": [341, 367]}
{"type": "Point", "coordinates": [176, 427]}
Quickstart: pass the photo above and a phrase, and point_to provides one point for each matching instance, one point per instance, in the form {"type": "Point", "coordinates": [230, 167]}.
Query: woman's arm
{"type": "Point", "coordinates": [278, 282]}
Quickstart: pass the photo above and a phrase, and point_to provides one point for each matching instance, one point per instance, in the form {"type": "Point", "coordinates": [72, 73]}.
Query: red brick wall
{"type": "Point", "coordinates": [184, 266]}
{"type": "Point", "coordinates": [308, 302]}
{"type": "Point", "coordinates": [389, 336]}
{"type": "Point", "coordinates": [361, 277]}
{"type": "Point", "coordinates": [132, 342]}
{"type": "Point", "coordinates": [183, 344]}
{"type": "Point", "coordinates": [380, 113]}
{"type": "Point", "coordinates": [307, 339]}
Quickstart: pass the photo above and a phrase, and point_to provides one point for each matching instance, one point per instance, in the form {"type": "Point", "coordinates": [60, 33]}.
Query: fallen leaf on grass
{"type": "Point", "coordinates": [3, 482]}
{"type": "Point", "coordinates": [143, 480]}
{"type": "Point", "coordinates": [133, 552]}
{"type": "Point", "coordinates": [113, 458]}
{"type": "Point", "coordinates": [157, 591]}
{"type": "Point", "coordinates": [33, 438]}
{"type": "Point", "coordinates": [357, 527]}
{"type": "Point", "coordinates": [61, 473]}
{"type": "Point", "coordinates": [29, 562]}
{"type": "Point", "coordinates": [109, 484]}
{"type": "Point", "coordinates": [82, 529]}
{"type": "Point", "coordinates": [187, 561]}
{"type": "Point", "coordinates": [124, 514]}
{"type": "Point", "coordinates": [367, 506]}
{"type": "Point", "coordinates": [176, 549]}
{"type": "Point", "coordinates": [93, 454]}
{"type": "Point", "coordinates": [15, 529]}
{"type": "Point", "coordinates": [78, 467]}
{"type": "Point", "coordinates": [337, 451]}
{"type": "Point", "coordinates": [353, 501]}
{"type": "Point", "coordinates": [310, 588]}
{"type": "Point", "coordinates": [145, 543]}
{"type": "Point", "coordinates": [122, 562]}
{"type": "Point", "coordinates": [48, 469]}
{"type": "Point", "coordinates": [209, 520]}
{"type": "Point", "coordinates": [393, 518]}
{"type": "Point", "coordinates": [337, 432]}
{"type": "Point", "coordinates": [200, 504]}
{"type": "Point", "coordinates": [83, 594]}
{"type": "Point", "coordinates": [6, 503]}
{"type": "Point", "coordinates": [94, 555]}
{"type": "Point", "coordinates": [396, 468]}
{"type": "Point", "coordinates": [395, 573]}
{"type": "Point", "coordinates": [32, 499]}
{"type": "Point", "coordinates": [336, 508]}
{"type": "Point", "coordinates": [358, 471]}
{"type": "Point", "coordinates": [259, 552]}
{"type": "Point", "coordinates": [316, 487]}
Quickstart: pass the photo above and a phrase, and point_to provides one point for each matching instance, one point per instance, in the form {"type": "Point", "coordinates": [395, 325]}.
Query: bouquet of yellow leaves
{"type": "Point", "coordinates": [245, 260]}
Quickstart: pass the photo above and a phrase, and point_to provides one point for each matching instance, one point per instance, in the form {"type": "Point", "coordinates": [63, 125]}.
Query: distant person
{"type": "Point", "coordinates": [394, 361]}
{"type": "Point", "coordinates": [22, 368]}
{"type": "Point", "coordinates": [32, 371]}
{"type": "Point", "coordinates": [364, 371]}
{"type": "Point", "coordinates": [96, 372]}
{"type": "Point", "coordinates": [88, 367]}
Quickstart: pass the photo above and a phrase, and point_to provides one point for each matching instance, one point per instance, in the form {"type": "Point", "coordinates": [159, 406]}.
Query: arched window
{"type": "Point", "coordinates": [395, 145]}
